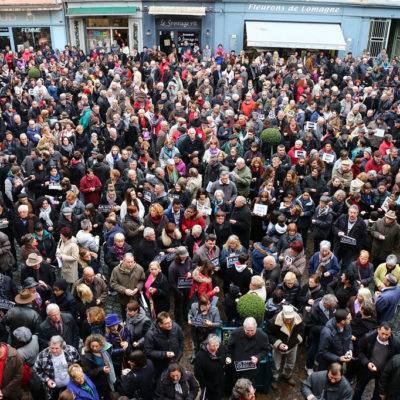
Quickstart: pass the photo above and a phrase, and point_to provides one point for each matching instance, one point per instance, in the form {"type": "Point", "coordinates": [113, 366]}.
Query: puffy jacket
{"type": "Point", "coordinates": [138, 325]}
{"type": "Point", "coordinates": [166, 387]}
{"type": "Point", "coordinates": [333, 344]}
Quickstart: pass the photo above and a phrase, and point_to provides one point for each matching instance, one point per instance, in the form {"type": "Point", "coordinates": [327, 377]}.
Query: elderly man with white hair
{"type": "Point", "coordinates": [242, 175]}
{"type": "Point", "coordinates": [247, 344]}
{"type": "Point", "coordinates": [240, 220]}
{"type": "Point", "coordinates": [149, 248]}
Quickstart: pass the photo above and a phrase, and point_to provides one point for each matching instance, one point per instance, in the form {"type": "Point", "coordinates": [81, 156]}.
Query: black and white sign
{"type": "Point", "coordinates": [288, 260]}
{"type": "Point", "coordinates": [348, 240]}
{"type": "Point", "coordinates": [260, 209]}
{"type": "Point", "coordinates": [300, 153]}
{"type": "Point", "coordinates": [184, 283]}
{"type": "Point", "coordinates": [197, 321]}
{"type": "Point", "coordinates": [147, 196]}
{"type": "Point", "coordinates": [385, 204]}
{"type": "Point", "coordinates": [231, 260]}
{"type": "Point", "coordinates": [6, 304]}
{"type": "Point", "coordinates": [244, 365]}
{"type": "Point", "coordinates": [215, 262]}
{"type": "Point", "coordinates": [3, 223]}
{"type": "Point", "coordinates": [328, 158]}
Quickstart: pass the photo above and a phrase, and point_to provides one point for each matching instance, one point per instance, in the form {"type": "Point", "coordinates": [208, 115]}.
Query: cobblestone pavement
{"type": "Point", "coordinates": [284, 392]}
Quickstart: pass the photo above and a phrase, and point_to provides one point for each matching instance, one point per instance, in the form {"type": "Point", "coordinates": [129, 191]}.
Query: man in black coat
{"type": "Point", "coordinates": [247, 343]}
{"type": "Point", "coordinates": [321, 312]}
{"type": "Point", "coordinates": [240, 221]}
{"type": "Point", "coordinates": [389, 383]}
{"type": "Point", "coordinates": [374, 351]}
{"type": "Point", "coordinates": [58, 323]}
{"type": "Point", "coordinates": [38, 269]}
{"type": "Point", "coordinates": [163, 342]}
{"type": "Point", "coordinates": [349, 226]}
{"type": "Point", "coordinates": [190, 144]}
{"type": "Point", "coordinates": [148, 248]}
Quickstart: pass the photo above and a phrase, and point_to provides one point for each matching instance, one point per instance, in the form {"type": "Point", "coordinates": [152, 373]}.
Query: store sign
{"type": "Point", "coordinates": [30, 30]}
{"type": "Point", "coordinates": [294, 9]}
{"type": "Point", "coordinates": [173, 23]}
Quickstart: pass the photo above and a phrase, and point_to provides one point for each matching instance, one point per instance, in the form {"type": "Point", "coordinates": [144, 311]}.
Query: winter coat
{"type": "Point", "coordinates": [132, 233]}
{"type": "Point", "coordinates": [241, 228]}
{"type": "Point", "coordinates": [12, 375]}
{"type": "Point", "coordinates": [381, 272]}
{"type": "Point", "coordinates": [81, 394]}
{"type": "Point", "coordinates": [46, 244]}
{"type": "Point", "coordinates": [386, 303]}
{"type": "Point", "coordinates": [30, 350]}
{"type": "Point", "coordinates": [202, 255]}
{"type": "Point", "coordinates": [323, 224]}
{"type": "Point", "coordinates": [6, 256]}
{"type": "Point", "coordinates": [285, 240]}
{"type": "Point", "coordinates": [317, 320]}
{"type": "Point", "coordinates": [69, 256]}
{"type": "Point", "coordinates": [331, 266]}
{"type": "Point", "coordinates": [343, 294]}
{"type": "Point", "coordinates": [45, 273]}
{"type": "Point", "coordinates": [258, 254]}
{"type": "Point", "coordinates": [209, 369]}
{"type": "Point", "coordinates": [333, 344]}
{"type": "Point", "coordinates": [98, 287]}
{"type": "Point", "coordinates": [243, 183]}
{"type": "Point", "coordinates": [86, 186]}
{"type": "Point", "coordinates": [317, 384]}
{"type": "Point", "coordinates": [382, 248]}
{"type": "Point", "coordinates": [139, 382]}
{"type": "Point", "coordinates": [179, 270]}
{"type": "Point", "coordinates": [161, 296]}
{"type": "Point", "coordinates": [240, 275]}
{"type": "Point", "coordinates": [363, 274]}
{"type": "Point", "coordinates": [306, 293]}
{"type": "Point", "coordinates": [358, 232]}
{"type": "Point", "coordinates": [389, 382]}
{"type": "Point", "coordinates": [278, 332]}
{"type": "Point", "coordinates": [147, 252]}
{"type": "Point", "coordinates": [22, 315]}
{"type": "Point", "coordinates": [115, 338]}
{"type": "Point", "coordinates": [158, 341]}
{"type": "Point", "coordinates": [201, 284]}
{"type": "Point", "coordinates": [122, 279]}
{"type": "Point", "coordinates": [222, 231]}
{"type": "Point", "coordinates": [291, 294]}
{"type": "Point", "coordinates": [297, 266]}
{"type": "Point", "coordinates": [212, 316]}
{"type": "Point", "coordinates": [166, 387]}
{"type": "Point", "coordinates": [70, 331]}
{"type": "Point", "coordinates": [8, 289]}
{"type": "Point", "coordinates": [113, 257]}
{"type": "Point", "coordinates": [138, 325]}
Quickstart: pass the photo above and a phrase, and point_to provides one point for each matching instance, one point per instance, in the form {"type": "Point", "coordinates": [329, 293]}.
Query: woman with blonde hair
{"type": "Point", "coordinates": [364, 295]}
{"type": "Point", "coordinates": [113, 156]}
{"type": "Point", "coordinates": [80, 385]}
{"type": "Point", "coordinates": [72, 201]}
{"type": "Point", "coordinates": [156, 219]}
{"type": "Point", "coordinates": [232, 248]}
{"type": "Point", "coordinates": [257, 286]}
{"type": "Point", "coordinates": [291, 288]}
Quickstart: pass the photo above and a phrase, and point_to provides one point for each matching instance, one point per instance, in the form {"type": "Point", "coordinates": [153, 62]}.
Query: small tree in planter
{"type": "Point", "coordinates": [251, 305]}
{"type": "Point", "coordinates": [270, 137]}
{"type": "Point", "coordinates": [34, 73]}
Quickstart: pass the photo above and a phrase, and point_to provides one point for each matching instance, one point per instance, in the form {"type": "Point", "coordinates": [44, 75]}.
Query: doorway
{"type": "Point", "coordinates": [120, 35]}
{"type": "Point", "coordinates": [5, 41]}
{"type": "Point", "coordinates": [166, 40]}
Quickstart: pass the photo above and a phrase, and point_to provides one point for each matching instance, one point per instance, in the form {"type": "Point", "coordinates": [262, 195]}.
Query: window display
{"type": "Point", "coordinates": [38, 38]}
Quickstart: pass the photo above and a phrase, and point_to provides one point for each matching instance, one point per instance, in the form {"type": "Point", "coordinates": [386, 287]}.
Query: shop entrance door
{"type": "Point", "coordinates": [166, 40]}
{"type": "Point", "coordinates": [120, 35]}
{"type": "Point", "coordinates": [5, 40]}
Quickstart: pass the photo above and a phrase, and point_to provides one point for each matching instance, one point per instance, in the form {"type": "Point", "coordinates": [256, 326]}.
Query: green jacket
{"type": "Point", "coordinates": [84, 121]}
{"type": "Point", "coordinates": [244, 181]}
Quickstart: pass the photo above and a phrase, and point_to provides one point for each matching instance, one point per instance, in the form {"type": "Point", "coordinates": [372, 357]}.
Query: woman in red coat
{"type": "Point", "coordinates": [90, 186]}
{"type": "Point", "coordinates": [202, 281]}
{"type": "Point", "coordinates": [191, 218]}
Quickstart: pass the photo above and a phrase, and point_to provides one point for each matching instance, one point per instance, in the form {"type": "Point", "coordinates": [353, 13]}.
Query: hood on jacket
{"type": "Point", "coordinates": [199, 277]}
{"type": "Point", "coordinates": [240, 267]}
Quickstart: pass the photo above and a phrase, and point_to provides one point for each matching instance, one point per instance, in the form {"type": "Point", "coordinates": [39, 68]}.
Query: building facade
{"type": "Point", "coordinates": [341, 25]}
{"type": "Point", "coordinates": [98, 23]}
{"type": "Point", "coordinates": [166, 23]}
{"type": "Point", "coordinates": [33, 23]}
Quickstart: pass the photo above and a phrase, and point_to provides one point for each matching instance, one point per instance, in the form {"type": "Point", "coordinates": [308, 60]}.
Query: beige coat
{"type": "Point", "coordinates": [70, 255]}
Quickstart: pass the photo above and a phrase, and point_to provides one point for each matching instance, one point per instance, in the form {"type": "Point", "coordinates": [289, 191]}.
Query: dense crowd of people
{"type": "Point", "coordinates": [152, 178]}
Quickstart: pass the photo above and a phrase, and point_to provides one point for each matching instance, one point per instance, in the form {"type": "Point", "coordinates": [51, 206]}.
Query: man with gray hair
{"type": "Point", "coordinates": [349, 231]}
{"type": "Point", "coordinates": [149, 249]}
{"type": "Point", "coordinates": [250, 344]}
{"type": "Point", "coordinates": [240, 220]}
{"type": "Point", "coordinates": [321, 312]}
{"type": "Point", "coordinates": [127, 279]}
{"type": "Point", "coordinates": [58, 323]}
{"type": "Point", "coordinates": [242, 177]}
{"type": "Point", "coordinates": [228, 187]}
{"type": "Point", "coordinates": [190, 144]}
{"type": "Point", "coordinates": [51, 365]}
{"type": "Point", "coordinates": [387, 299]}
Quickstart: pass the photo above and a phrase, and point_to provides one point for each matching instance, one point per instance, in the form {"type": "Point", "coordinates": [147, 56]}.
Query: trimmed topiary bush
{"type": "Point", "coordinates": [271, 136]}
{"type": "Point", "coordinates": [34, 73]}
{"type": "Point", "coordinates": [251, 305]}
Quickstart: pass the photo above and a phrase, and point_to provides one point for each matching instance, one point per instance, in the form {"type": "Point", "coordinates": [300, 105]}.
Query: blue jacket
{"type": "Point", "coordinates": [258, 255]}
{"type": "Point", "coordinates": [139, 380]}
{"type": "Point", "coordinates": [308, 210]}
{"type": "Point", "coordinates": [386, 303]}
{"type": "Point", "coordinates": [81, 394]}
{"type": "Point", "coordinates": [331, 266]}
{"type": "Point", "coordinates": [31, 134]}
{"type": "Point", "coordinates": [109, 237]}
{"type": "Point", "coordinates": [170, 215]}
{"type": "Point", "coordinates": [333, 344]}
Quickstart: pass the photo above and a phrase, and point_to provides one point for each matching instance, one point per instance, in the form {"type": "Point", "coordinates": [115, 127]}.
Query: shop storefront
{"type": "Point", "coordinates": [340, 25]}
{"type": "Point", "coordinates": [37, 25]}
{"type": "Point", "coordinates": [165, 25]}
{"type": "Point", "coordinates": [97, 25]}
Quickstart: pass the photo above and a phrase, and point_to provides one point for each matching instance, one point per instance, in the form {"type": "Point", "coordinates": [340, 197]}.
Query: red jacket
{"type": "Point", "coordinates": [371, 164]}
{"type": "Point", "coordinates": [291, 154]}
{"type": "Point", "coordinates": [189, 223]}
{"type": "Point", "coordinates": [203, 285]}
{"type": "Point", "coordinates": [91, 196]}
{"type": "Point", "coordinates": [247, 108]}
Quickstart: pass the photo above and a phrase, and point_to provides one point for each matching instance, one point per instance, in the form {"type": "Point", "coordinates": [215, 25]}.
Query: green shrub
{"type": "Point", "coordinates": [34, 73]}
{"type": "Point", "coordinates": [251, 305]}
{"type": "Point", "coordinates": [271, 136]}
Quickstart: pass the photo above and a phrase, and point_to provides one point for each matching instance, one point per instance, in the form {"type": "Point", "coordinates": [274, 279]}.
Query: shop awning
{"type": "Point", "coordinates": [295, 35]}
{"type": "Point", "coordinates": [89, 11]}
{"type": "Point", "coordinates": [160, 10]}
